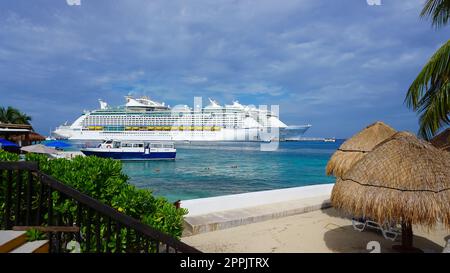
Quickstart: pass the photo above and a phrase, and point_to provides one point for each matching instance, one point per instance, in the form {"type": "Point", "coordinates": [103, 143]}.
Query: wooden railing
{"type": "Point", "coordinates": [29, 197]}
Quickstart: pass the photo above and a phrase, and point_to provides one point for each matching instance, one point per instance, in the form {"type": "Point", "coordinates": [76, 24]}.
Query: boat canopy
{"type": "Point", "coordinates": [7, 143]}
{"type": "Point", "coordinates": [142, 102]}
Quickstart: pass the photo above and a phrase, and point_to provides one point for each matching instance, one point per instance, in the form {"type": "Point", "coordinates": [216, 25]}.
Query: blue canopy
{"type": "Point", "coordinates": [7, 143]}
{"type": "Point", "coordinates": [57, 144]}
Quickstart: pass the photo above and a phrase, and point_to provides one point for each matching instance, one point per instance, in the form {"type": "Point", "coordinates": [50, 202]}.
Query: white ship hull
{"type": "Point", "coordinates": [222, 135]}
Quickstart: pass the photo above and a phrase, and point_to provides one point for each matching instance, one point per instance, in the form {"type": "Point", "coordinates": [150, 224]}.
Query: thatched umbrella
{"type": "Point", "coordinates": [39, 149]}
{"type": "Point", "coordinates": [403, 180]}
{"type": "Point", "coordinates": [353, 149]}
{"type": "Point", "coordinates": [442, 141]}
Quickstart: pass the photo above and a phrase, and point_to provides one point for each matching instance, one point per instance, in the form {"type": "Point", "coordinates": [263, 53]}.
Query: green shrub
{"type": "Point", "coordinates": [5, 156]}
{"type": "Point", "coordinates": [103, 180]}
{"type": "Point", "coordinates": [35, 235]}
{"type": "Point", "coordinates": [166, 217]}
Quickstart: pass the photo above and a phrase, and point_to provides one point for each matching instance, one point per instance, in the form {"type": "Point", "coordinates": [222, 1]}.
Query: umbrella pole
{"type": "Point", "coordinates": [407, 235]}
{"type": "Point", "coordinates": [407, 239]}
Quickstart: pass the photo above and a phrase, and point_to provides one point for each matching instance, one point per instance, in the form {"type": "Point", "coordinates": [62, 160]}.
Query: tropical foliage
{"type": "Point", "coordinates": [103, 180]}
{"type": "Point", "coordinates": [429, 94]}
{"type": "Point", "coordinates": [34, 235]}
{"type": "Point", "coordinates": [438, 10]}
{"type": "Point", "coordinates": [12, 115]}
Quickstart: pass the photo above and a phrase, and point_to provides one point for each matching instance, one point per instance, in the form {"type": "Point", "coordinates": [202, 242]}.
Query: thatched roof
{"type": "Point", "coordinates": [403, 178]}
{"type": "Point", "coordinates": [31, 136]}
{"type": "Point", "coordinates": [353, 149]}
{"type": "Point", "coordinates": [442, 141]}
{"type": "Point", "coordinates": [36, 137]}
{"type": "Point", "coordinates": [15, 126]}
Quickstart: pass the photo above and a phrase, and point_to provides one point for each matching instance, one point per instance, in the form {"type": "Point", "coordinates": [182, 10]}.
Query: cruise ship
{"type": "Point", "coordinates": [146, 119]}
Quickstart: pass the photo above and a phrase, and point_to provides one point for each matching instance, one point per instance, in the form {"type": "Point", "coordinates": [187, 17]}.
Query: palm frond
{"type": "Point", "coordinates": [428, 94]}
{"type": "Point", "coordinates": [438, 10]}
{"type": "Point", "coordinates": [433, 110]}
{"type": "Point", "coordinates": [2, 115]}
{"type": "Point", "coordinates": [436, 68]}
{"type": "Point", "coordinates": [12, 115]}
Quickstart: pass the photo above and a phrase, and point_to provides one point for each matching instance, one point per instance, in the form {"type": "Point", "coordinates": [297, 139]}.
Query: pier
{"type": "Point", "coordinates": [222, 212]}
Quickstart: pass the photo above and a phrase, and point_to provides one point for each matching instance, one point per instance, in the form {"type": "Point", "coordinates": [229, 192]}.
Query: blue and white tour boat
{"type": "Point", "coordinates": [133, 150]}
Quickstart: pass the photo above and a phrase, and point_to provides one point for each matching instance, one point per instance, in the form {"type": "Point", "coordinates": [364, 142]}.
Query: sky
{"type": "Point", "coordinates": [339, 65]}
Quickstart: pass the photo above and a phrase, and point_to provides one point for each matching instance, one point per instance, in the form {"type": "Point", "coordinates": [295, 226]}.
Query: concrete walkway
{"type": "Point", "coordinates": [216, 213]}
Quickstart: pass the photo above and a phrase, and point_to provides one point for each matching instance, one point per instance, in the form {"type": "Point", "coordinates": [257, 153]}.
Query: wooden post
{"type": "Point", "coordinates": [407, 235]}
{"type": "Point", "coordinates": [407, 239]}
{"type": "Point", "coordinates": [27, 138]}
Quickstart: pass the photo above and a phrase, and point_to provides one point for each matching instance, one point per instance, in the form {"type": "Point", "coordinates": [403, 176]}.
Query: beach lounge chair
{"type": "Point", "coordinates": [390, 231]}
{"type": "Point", "coordinates": [447, 246]}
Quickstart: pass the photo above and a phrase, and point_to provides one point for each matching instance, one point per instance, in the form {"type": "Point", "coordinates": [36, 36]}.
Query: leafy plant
{"type": "Point", "coordinates": [103, 180]}
{"type": "Point", "coordinates": [6, 156]}
{"type": "Point", "coordinates": [34, 235]}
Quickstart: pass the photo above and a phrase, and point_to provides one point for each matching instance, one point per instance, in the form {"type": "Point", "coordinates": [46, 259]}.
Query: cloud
{"type": "Point", "coordinates": [195, 79]}
{"type": "Point", "coordinates": [324, 62]}
{"type": "Point", "coordinates": [110, 79]}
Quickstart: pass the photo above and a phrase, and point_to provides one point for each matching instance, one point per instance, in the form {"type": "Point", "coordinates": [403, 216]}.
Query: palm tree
{"type": "Point", "coordinates": [438, 10]}
{"type": "Point", "coordinates": [429, 94]}
{"type": "Point", "coordinates": [12, 115]}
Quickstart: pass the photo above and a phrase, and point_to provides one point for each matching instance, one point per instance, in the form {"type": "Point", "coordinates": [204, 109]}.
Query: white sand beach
{"type": "Point", "coordinates": [317, 231]}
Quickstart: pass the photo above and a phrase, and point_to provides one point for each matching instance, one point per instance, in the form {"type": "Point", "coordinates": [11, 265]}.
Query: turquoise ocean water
{"type": "Point", "coordinates": [205, 170]}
